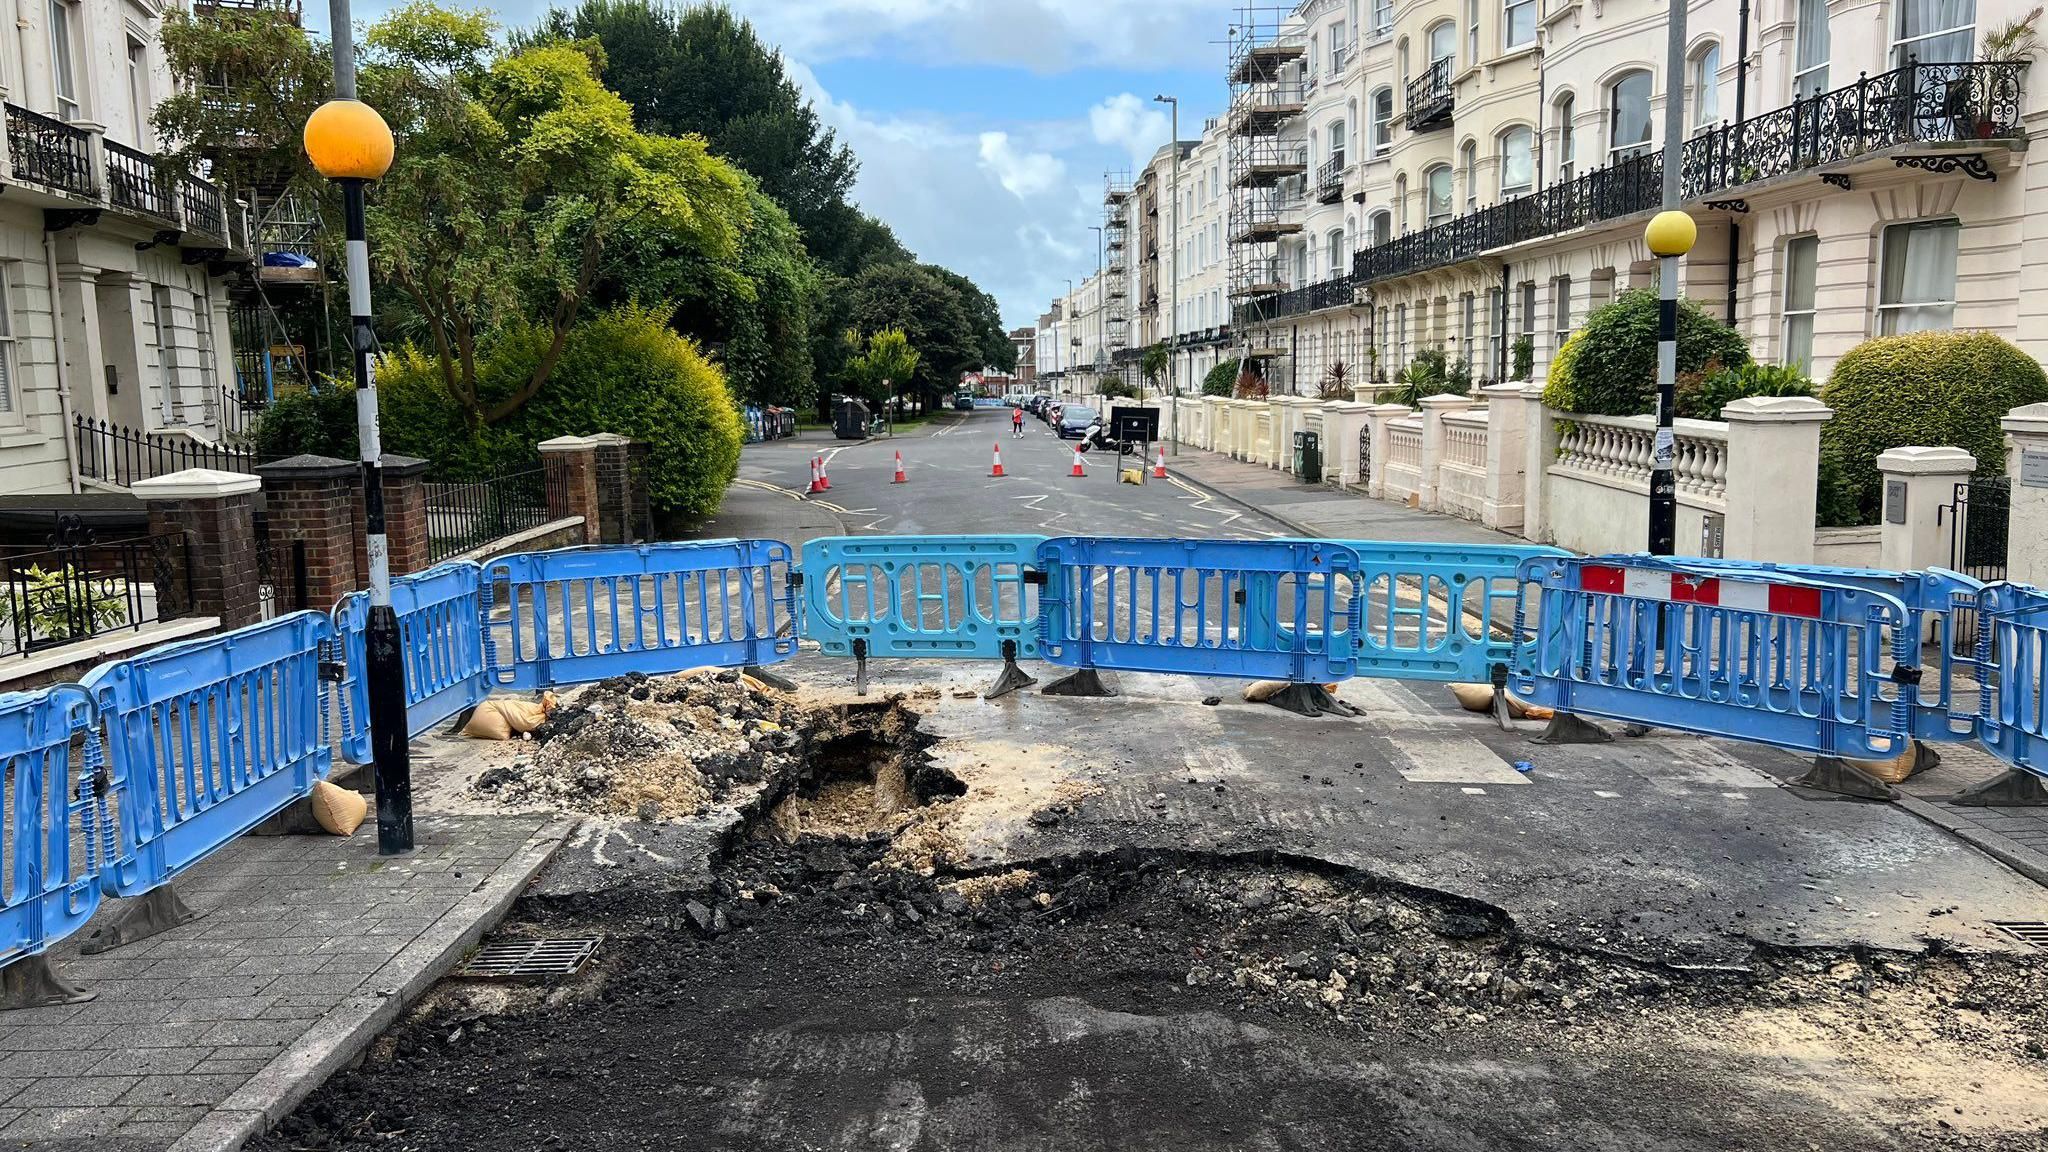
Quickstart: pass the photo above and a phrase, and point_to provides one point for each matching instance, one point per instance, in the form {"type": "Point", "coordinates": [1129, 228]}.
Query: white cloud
{"type": "Point", "coordinates": [1023, 173]}
{"type": "Point", "coordinates": [1043, 35]}
{"type": "Point", "coordinates": [1136, 126]}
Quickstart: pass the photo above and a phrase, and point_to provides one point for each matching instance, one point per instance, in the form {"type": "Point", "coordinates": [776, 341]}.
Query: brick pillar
{"type": "Point", "coordinates": [614, 497]}
{"type": "Point", "coordinates": [215, 512]}
{"type": "Point", "coordinates": [313, 499]}
{"type": "Point", "coordinates": [405, 513]}
{"type": "Point", "coordinates": [571, 466]}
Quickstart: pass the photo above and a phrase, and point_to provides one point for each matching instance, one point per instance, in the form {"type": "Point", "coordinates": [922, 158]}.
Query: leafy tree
{"type": "Point", "coordinates": [513, 174]}
{"type": "Point", "coordinates": [885, 361]}
{"type": "Point", "coordinates": [249, 78]}
{"type": "Point", "coordinates": [1154, 363]}
{"type": "Point", "coordinates": [931, 311]}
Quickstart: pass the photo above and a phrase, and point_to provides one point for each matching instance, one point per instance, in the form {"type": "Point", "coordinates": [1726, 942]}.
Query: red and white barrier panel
{"type": "Point", "coordinates": [1691, 588]}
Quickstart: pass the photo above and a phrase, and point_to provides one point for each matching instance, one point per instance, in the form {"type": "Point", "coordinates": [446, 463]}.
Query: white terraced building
{"type": "Point", "coordinates": [1395, 175]}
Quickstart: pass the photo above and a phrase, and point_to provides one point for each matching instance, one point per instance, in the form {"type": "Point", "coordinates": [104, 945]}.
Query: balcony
{"type": "Point", "coordinates": [138, 183]}
{"type": "Point", "coordinates": [51, 153]}
{"type": "Point", "coordinates": [1336, 292]}
{"type": "Point", "coordinates": [206, 212]}
{"type": "Point", "coordinates": [1330, 180]}
{"type": "Point", "coordinates": [1429, 97]}
{"type": "Point", "coordinates": [217, 9]}
{"type": "Point", "coordinates": [1938, 117]}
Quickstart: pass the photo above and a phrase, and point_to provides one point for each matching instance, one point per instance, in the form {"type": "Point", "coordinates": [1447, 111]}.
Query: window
{"type": "Point", "coordinates": [7, 405]}
{"type": "Point", "coordinates": [1400, 337]}
{"type": "Point", "coordinates": [1471, 32]}
{"type": "Point", "coordinates": [1334, 246]}
{"type": "Point", "coordinates": [1802, 260]}
{"type": "Point", "coordinates": [1518, 27]}
{"type": "Point", "coordinates": [1401, 203]}
{"type": "Point", "coordinates": [1438, 180]}
{"type": "Point", "coordinates": [1561, 310]}
{"type": "Point", "coordinates": [1337, 46]}
{"type": "Point", "coordinates": [1382, 121]}
{"type": "Point", "coordinates": [1337, 142]}
{"type": "Point", "coordinates": [1382, 17]}
{"type": "Point", "coordinates": [160, 335]}
{"type": "Point", "coordinates": [1496, 326]}
{"type": "Point", "coordinates": [1517, 161]}
{"type": "Point", "coordinates": [1443, 45]}
{"type": "Point", "coordinates": [1935, 32]}
{"type": "Point", "coordinates": [63, 59]}
{"type": "Point", "coordinates": [202, 332]}
{"type": "Point", "coordinates": [139, 102]}
{"type": "Point", "coordinates": [1468, 166]}
{"type": "Point", "coordinates": [1386, 341]}
{"type": "Point", "coordinates": [1303, 256]}
{"type": "Point", "coordinates": [1466, 329]}
{"type": "Point", "coordinates": [1810, 61]}
{"type": "Point", "coordinates": [1382, 224]}
{"type": "Point", "coordinates": [1706, 87]}
{"type": "Point", "coordinates": [1528, 302]}
{"type": "Point", "coordinates": [1919, 277]}
{"type": "Point", "coordinates": [1567, 144]}
{"type": "Point", "coordinates": [1628, 116]}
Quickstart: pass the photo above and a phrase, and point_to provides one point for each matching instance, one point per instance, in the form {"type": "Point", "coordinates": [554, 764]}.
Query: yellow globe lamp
{"type": "Point", "coordinates": [1670, 234]}
{"type": "Point", "coordinates": [347, 140]}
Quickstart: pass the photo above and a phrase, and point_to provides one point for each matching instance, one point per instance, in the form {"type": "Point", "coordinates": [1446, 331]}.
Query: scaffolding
{"type": "Point", "coordinates": [1268, 163]}
{"type": "Point", "coordinates": [1116, 286]}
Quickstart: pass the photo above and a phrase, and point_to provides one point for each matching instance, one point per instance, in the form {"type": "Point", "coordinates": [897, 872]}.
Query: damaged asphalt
{"type": "Point", "coordinates": [930, 921]}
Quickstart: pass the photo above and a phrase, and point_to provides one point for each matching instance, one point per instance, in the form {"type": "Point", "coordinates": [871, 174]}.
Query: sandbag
{"type": "Point", "coordinates": [338, 810]}
{"type": "Point", "coordinates": [1260, 691]}
{"type": "Point", "coordinates": [1479, 698]}
{"type": "Point", "coordinates": [502, 719]}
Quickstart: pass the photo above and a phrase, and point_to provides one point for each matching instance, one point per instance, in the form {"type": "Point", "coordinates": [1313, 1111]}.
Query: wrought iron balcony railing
{"type": "Point", "coordinates": [47, 151]}
{"type": "Point", "coordinates": [138, 182]}
{"type": "Point", "coordinates": [1429, 97]}
{"type": "Point", "coordinates": [205, 207]}
{"type": "Point", "coordinates": [1330, 180]}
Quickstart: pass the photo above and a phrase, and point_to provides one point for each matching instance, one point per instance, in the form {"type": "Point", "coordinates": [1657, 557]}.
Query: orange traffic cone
{"type": "Point", "coordinates": [1159, 466]}
{"type": "Point", "coordinates": [900, 477]}
{"type": "Point", "coordinates": [815, 487]}
{"type": "Point", "coordinates": [824, 477]}
{"type": "Point", "coordinates": [1078, 469]}
{"type": "Point", "coordinates": [998, 469]}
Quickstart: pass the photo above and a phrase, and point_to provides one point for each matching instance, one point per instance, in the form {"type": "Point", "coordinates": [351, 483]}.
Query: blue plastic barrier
{"type": "Point", "coordinates": [1439, 611]}
{"type": "Point", "coordinates": [207, 739]}
{"type": "Point", "coordinates": [2012, 658]}
{"type": "Point", "coordinates": [1255, 610]}
{"type": "Point", "coordinates": [55, 827]}
{"type": "Point", "coordinates": [1760, 655]}
{"type": "Point", "coordinates": [440, 634]}
{"type": "Point", "coordinates": [921, 596]}
{"type": "Point", "coordinates": [583, 614]}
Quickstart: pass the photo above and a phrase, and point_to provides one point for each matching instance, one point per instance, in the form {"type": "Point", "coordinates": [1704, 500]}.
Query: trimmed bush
{"type": "Point", "coordinates": [300, 422]}
{"type": "Point", "coordinates": [1614, 372]}
{"type": "Point", "coordinates": [1929, 388]}
{"type": "Point", "coordinates": [1702, 395]}
{"type": "Point", "coordinates": [1221, 379]}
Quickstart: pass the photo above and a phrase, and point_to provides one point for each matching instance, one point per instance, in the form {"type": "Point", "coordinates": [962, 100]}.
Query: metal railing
{"type": "Point", "coordinates": [1430, 96]}
{"type": "Point", "coordinates": [138, 182]}
{"type": "Point", "coordinates": [465, 516]}
{"type": "Point", "coordinates": [1330, 180]}
{"type": "Point", "coordinates": [79, 587]}
{"type": "Point", "coordinates": [119, 455]}
{"type": "Point", "coordinates": [50, 152]}
{"type": "Point", "coordinates": [205, 208]}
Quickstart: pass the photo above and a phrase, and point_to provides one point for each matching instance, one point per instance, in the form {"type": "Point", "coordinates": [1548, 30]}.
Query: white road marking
{"type": "Point", "coordinates": [1452, 760]}
{"type": "Point", "coordinates": [1605, 795]}
{"type": "Point", "coordinates": [1473, 791]}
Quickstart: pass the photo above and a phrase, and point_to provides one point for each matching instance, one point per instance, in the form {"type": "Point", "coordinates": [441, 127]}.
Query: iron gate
{"type": "Point", "coordinates": [1365, 455]}
{"type": "Point", "coordinates": [1978, 518]}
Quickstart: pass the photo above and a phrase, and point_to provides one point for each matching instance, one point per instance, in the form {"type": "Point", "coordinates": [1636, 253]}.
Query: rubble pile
{"type": "Point", "coordinates": [655, 748]}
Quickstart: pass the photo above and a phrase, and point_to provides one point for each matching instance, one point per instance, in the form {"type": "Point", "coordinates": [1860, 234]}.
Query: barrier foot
{"type": "Point", "coordinates": [860, 667]}
{"type": "Point", "coordinates": [1311, 700]}
{"type": "Point", "coordinates": [2010, 788]}
{"type": "Point", "coordinates": [145, 916]}
{"type": "Point", "coordinates": [1009, 680]}
{"type": "Point", "coordinates": [33, 982]}
{"type": "Point", "coordinates": [1084, 682]}
{"type": "Point", "coordinates": [1831, 774]}
{"type": "Point", "coordinates": [775, 680]}
{"type": "Point", "coordinates": [1566, 728]}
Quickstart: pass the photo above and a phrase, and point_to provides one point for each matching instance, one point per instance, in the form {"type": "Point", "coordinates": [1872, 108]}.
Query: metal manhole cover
{"type": "Point", "coordinates": [531, 959]}
{"type": "Point", "coordinates": [2032, 932]}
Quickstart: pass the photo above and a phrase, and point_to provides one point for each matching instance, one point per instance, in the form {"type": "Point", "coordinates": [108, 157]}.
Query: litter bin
{"type": "Point", "coordinates": [1308, 457]}
{"type": "Point", "coordinates": [851, 420]}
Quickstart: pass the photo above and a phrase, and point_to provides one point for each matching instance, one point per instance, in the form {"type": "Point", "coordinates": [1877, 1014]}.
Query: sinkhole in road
{"type": "Point", "coordinates": [863, 772]}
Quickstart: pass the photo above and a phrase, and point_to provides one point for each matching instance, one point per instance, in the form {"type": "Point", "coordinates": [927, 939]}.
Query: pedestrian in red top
{"type": "Point", "coordinates": [1016, 423]}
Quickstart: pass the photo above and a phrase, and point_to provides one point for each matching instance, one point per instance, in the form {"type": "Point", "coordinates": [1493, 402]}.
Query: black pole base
{"type": "Point", "coordinates": [390, 748]}
{"type": "Point", "coordinates": [2011, 788]}
{"type": "Point", "coordinates": [33, 982]}
{"type": "Point", "coordinates": [1566, 728]}
{"type": "Point", "coordinates": [1008, 680]}
{"type": "Point", "coordinates": [159, 910]}
{"type": "Point", "coordinates": [1503, 713]}
{"type": "Point", "coordinates": [775, 680]}
{"type": "Point", "coordinates": [1832, 774]}
{"type": "Point", "coordinates": [1311, 700]}
{"type": "Point", "coordinates": [1084, 682]}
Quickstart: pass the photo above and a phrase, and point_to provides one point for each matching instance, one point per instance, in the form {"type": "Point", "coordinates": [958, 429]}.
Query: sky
{"type": "Point", "coordinates": [984, 127]}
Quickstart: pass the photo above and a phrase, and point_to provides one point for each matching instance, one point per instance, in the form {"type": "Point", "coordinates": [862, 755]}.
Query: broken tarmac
{"type": "Point", "coordinates": [1147, 922]}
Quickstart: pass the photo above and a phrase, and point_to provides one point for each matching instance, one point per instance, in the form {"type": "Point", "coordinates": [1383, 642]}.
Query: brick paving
{"type": "Point", "coordinates": [198, 1033]}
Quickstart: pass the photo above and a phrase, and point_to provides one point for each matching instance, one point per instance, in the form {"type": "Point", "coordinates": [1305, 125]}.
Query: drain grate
{"type": "Point", "coordinates": [2032, 932]}
{"type": "Point", "coordinates": [531, 959]}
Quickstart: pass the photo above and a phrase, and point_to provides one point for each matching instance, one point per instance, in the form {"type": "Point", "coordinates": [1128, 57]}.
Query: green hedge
{"type": "Point", "coordinates": [1925, 388]}
{"type": "Point", "coordinates": [1702, 395]}
{"type": "Point", "coordinates": [1221, 379]}
{"type": "Point", "coordinates": [1613, 372]}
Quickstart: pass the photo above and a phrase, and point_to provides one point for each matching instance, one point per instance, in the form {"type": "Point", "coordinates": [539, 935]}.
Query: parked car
{"type": "Point", "coordinates": [1074, 421]}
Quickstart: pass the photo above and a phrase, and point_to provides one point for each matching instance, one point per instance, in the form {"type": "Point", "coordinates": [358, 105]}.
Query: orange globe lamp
{"type": "Point", "coordinates": [348, 140]}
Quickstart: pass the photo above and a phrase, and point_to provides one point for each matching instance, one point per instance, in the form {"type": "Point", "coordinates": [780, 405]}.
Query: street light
{"type": "Point", "coordinates": [351, 145]}
{"type": "Point", "coordinates": [1173, 282]}
{"type": "Point", "coordinates": [1669, 235]}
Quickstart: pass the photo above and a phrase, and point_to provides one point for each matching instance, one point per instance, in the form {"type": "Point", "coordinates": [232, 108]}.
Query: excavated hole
{"type": "Point", "coordinates": [864, 770]}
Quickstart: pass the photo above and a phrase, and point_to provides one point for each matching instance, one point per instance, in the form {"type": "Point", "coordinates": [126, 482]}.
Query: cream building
{"type": "Point", "coordinates": [112, 293]}
{"type": "Point", "coordinates": [1199, 313]}
{"type": "Point", "coordinates": [1462, 174]}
